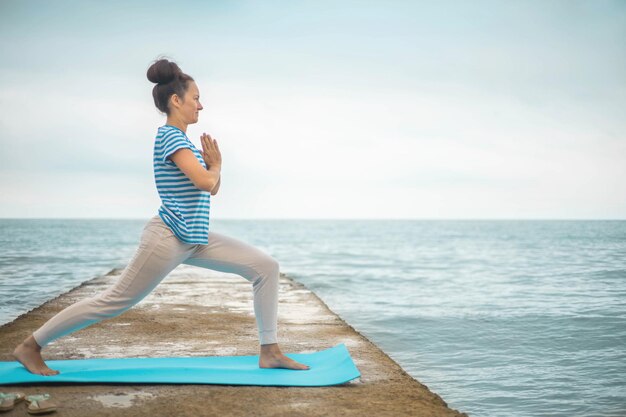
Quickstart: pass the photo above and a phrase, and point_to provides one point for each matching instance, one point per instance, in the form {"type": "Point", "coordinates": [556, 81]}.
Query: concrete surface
{"type": "Point", "coordinates": [200, 312]}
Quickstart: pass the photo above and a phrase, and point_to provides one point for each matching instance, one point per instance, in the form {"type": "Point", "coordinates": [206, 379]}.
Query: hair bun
{"type": "Point", "coordinates": [163, 71]}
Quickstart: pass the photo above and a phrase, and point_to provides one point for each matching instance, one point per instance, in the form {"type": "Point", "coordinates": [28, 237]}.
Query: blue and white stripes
{"type": "Point", "coordinates": [184, 207]}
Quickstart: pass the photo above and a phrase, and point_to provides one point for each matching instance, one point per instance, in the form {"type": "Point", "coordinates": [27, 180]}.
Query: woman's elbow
{"type": "Point", "coordinates": [207, 186]}
{"type": "Point", "coordinates": [203, 182]}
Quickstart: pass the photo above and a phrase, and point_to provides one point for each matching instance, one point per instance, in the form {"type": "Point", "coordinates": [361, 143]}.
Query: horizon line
{"type": "Point", "coordinates": [331, 218]}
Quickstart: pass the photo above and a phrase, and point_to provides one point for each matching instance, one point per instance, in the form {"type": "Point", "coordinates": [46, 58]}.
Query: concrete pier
{"type": "Point", "coordinates": [200, 312]}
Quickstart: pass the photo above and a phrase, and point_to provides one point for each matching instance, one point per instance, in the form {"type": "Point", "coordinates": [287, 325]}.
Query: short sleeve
{"type": "Point", "coordinates": [171, 142]}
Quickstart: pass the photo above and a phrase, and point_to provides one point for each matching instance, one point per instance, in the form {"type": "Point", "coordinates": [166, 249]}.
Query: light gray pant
{"type": "Point", "coordinates": [159, 252]}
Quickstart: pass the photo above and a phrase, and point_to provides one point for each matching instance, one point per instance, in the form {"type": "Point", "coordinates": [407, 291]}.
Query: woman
{"type": "Point", "coordinates": [179, 233]}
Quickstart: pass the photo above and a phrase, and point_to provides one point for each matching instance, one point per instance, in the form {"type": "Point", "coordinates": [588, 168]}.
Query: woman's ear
{"type": "Point", "coordinates": [175, 100]}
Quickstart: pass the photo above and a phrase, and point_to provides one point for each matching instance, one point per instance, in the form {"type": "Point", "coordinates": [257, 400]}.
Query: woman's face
{"type": "Point", "coordinates": [190, 107]}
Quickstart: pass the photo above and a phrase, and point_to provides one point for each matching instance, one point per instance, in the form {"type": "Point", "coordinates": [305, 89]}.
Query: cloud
{"type": "Point", "coordinates": [321, 109]}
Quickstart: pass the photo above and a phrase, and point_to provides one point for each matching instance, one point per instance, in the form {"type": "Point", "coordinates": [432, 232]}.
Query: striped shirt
{"type": "Point", "coordinates": [184, 207]}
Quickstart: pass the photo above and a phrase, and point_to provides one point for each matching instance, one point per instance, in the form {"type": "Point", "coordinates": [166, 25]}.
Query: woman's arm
{"type": "Point", "coordinates": [202, 178]}
{"type": "Point", "coordinates": [212, 158]}
{"type": "Point", "coordinates": [217, 186]}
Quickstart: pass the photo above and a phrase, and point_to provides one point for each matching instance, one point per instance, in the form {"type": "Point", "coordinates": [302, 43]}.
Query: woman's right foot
{"type": "Point", "coordinates": [28, 353]}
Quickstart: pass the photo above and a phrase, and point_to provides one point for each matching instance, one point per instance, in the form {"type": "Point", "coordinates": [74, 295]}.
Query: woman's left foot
{"type": "Point", "coordinates": [273, 358]}
{"type": "Point", "coordinates": [281, 361]}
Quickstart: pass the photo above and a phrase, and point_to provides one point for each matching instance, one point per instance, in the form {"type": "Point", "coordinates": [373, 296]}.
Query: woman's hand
{"type": "Point", "coordinates": [211, 152]}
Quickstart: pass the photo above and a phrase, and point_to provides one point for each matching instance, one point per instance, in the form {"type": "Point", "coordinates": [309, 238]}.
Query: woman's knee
{"type": "Point", "coordinates": [268, 268]}
{"type": "Point", "coordinates": [272, 266]}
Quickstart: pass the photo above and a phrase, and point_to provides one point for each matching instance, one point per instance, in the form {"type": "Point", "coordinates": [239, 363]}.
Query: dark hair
{"type": "Point", "coordinates": [169, 79]}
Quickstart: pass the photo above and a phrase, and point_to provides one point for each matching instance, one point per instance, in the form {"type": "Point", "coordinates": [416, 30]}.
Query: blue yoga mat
{"type": "Point", "coordinates": [327, 367]}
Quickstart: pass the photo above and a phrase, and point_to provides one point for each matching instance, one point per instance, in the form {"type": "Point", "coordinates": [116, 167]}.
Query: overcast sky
{"type": "Point", "coordinates": [322, 109]}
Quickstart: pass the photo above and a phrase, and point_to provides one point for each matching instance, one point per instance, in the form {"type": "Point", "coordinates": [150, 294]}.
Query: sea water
{"type": "Point", "coordinates": [500, 318]}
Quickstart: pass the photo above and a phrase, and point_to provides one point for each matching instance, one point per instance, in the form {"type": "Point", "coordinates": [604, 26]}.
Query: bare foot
{"type": "Point", "coordinates": [28, 353]}
{"type": "Point", "coordinates": [272, 357]}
